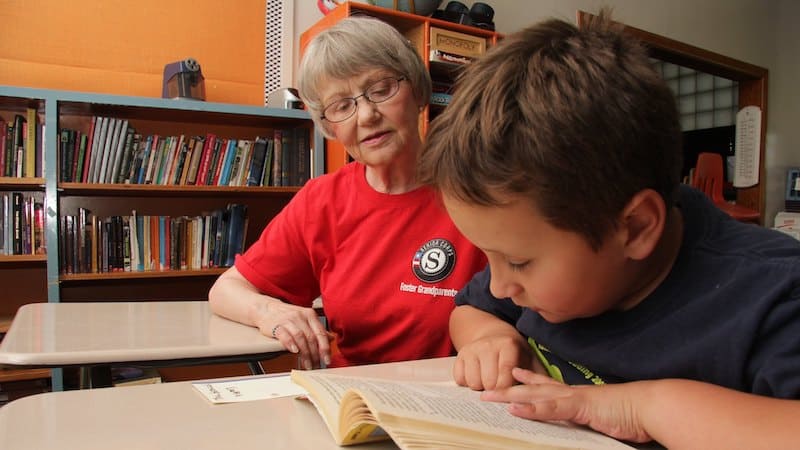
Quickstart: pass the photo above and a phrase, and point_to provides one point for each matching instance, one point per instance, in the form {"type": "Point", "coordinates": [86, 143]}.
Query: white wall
{"type": "Point", "coordinates": [764, 33]}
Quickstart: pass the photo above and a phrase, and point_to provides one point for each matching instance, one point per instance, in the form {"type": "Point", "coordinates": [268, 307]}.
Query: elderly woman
{"type": "Point", "coordinates": [374, 244]}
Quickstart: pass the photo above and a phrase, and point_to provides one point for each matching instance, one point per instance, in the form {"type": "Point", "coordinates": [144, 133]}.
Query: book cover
{"type": "Point", "coordinates": [246, 148]}
{"type": "Point", "coordinates": [137, 158]}
{"type": "Point", "coordinates": [123, 165]}
{"type": "Point", "coordinates": [3, 136]}
{"type": "Point", "coordinates": [431, 415]}
{"type": "Point", "coordinates": [148, 145]}
{"type": "Point", "coordinates": [64, 155]}
{"type": "Point", "coordinates": [115, 160]}
{"type": "Point", "coordinates": [156, 148]}
{"type": "Point", "coordinates": [205, 159]}
{"type": "Point", "coordinates": [165, 156]}
{"type": "Point", "coordinates": [237, 229]}
{"type": "Point", "coordinates": [107, 150]}
{"type": "Point", "coordinates": [219, 160]}
{"type": "Point", "coordinates": [20, 130]}
{"type": "Point", "coordinates": [266, 179]}
{"type": "Point", "coordinates": [17, 218]}
{"type": "Point", "coordinates": [88, 156]}
{"type": "Point", "coordinates": [256, 171]}
{"type": "Point", "coordinates": [194, 164]}
{"type": "Point", "coordinates": [277, 157]}
{"type": "Point", "coordinates": [287, 157]}
{"type": "Point", "coordinates": [303, 153]}
{"type": "Point", "coordinates": [181, 155]}
{"type": "Point", "coordinates": [30, 142]}
{"type": "Point", "coordinates": [228, 161]}
{"type": "Point", "coordinates": [81, 142]}
{"type": "Point", "coordinates": [98, 144]}
{"type": "Point", "coordinates": [167, 159]}
{"type": "Point", "coordinates": [230, 177]}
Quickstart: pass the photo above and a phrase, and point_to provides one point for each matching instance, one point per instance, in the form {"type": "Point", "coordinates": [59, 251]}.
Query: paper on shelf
{"type": "Point", "coordinates": [247, 389]}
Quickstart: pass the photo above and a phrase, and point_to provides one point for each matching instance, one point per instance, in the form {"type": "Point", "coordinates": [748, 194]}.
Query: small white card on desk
{"type": "Point", "coordinates": [247, 389]}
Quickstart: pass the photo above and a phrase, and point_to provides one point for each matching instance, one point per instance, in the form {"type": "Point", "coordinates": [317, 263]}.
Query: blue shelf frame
{"type": "Point", "coordinates": [51, 99]}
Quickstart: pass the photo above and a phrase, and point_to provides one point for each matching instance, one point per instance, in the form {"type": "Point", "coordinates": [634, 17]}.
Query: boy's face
{"type": "Point", "coordinates": [551, 271]}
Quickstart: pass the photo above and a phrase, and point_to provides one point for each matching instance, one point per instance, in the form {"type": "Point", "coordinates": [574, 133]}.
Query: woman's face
{"type": "Point", "coordinates": [378, 133]}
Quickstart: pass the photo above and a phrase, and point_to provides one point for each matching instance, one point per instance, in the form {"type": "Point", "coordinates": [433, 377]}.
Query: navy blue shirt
{"type": "Point", "coordinates": [728, 313]}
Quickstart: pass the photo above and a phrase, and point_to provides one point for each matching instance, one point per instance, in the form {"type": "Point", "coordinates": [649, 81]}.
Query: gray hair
{"type": "Point", "coordinates": [351, 47]}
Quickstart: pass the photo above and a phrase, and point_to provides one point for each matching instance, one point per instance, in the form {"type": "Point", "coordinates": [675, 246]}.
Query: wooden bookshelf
{"type": "Point", "coordinates": [10, 375]}
{"type": "Point", "coordinates": [145, 274]}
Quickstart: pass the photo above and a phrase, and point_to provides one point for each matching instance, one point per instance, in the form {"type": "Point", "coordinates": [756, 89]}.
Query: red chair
{"type": "Point", "coordinates": [709, 179]}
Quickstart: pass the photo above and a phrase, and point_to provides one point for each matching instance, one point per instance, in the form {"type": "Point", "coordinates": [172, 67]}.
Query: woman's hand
{"type": "Point", "coordinates": [610, 409]}
{"type": "Point", "coordinates": [298, 329]}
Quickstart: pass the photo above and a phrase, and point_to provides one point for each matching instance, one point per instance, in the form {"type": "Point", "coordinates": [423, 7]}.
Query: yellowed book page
{"type": "Point", "coordinates": [326, 394]}
{"type": "Point", "coordinates": [409, 409]}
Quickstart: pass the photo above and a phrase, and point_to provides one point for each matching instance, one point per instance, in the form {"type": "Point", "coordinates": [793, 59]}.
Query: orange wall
{"type": "Point", "coordinates": [121, 46]}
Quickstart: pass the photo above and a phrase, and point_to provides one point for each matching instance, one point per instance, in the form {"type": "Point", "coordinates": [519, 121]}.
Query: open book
{"type": "Point", "coordinates": [432, 416]}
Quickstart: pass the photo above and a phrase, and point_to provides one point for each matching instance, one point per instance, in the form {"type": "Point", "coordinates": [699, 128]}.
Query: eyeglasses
{"type": "Point", "coordinates": [377, 92]}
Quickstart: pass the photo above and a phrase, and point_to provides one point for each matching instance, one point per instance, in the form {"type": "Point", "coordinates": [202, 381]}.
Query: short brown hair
{"type": "Point", "coordinates": [577, 120]}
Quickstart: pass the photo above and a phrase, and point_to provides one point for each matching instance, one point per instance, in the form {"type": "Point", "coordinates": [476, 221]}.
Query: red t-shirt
{"type": "Point", "coordinates": [387, 266]}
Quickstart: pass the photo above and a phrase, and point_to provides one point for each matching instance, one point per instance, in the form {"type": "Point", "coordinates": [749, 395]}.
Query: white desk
{"type": "Point", "coordinates": [146, 333]}
{"type": "Point", "coordinates": [176, 416]}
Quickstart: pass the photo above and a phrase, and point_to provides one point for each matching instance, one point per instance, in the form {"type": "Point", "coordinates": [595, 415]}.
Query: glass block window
{"type": "Point", "coordinates": [704, 100]}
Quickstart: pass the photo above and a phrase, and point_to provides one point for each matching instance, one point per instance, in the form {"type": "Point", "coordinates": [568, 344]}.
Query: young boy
{"type": "Point", "coordinates": [655, 315]}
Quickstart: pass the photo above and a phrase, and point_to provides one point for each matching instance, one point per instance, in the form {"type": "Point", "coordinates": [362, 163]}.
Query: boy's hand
{"type": "Point", "coordinates": [486, 363]}
{"type": "Point", "coordinates": [609, 409]}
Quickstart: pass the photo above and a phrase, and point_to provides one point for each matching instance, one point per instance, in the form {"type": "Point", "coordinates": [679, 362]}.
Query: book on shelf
{"type": "Point", "coordinates": [3, 138]}
{"type": "Point", "coordinates": [134, 376]}
{"type": "Point", "coordinates": [194, 164]}
{"type": "Point", "coordinates": [447, 57]}
{"type": "Point", "coordinates": [256, 171]}
{"type": "Point", "coordinates": [237, 230]}
{"type": "Point", "coordinates": [432, 415]}
{"type": "Point", "coordinates": [108, 146]}
{"type": "Point", "coordinates": [111, 151]}
{"type": "Point", "coordinates": [277, 157]}
{"type": "Point", "coordinates": [30, 142]}
{"type": "Point", "coordinates": [247, 154]}
{"type": "Point", "coordinates": [80, 156]}
{"type": "Point", "coordinates": [141, 243]}
{"type": "Point", "coordinates": [206, 158]}
{"type": "Point", "coordinates": [22, 223]}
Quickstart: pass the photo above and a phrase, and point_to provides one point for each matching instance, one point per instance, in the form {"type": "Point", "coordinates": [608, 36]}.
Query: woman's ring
{"type": "Point", "coordinates": [274, 329]}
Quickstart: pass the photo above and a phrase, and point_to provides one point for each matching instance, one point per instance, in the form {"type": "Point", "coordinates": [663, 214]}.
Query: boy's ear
{"type": "Point", "coordinates": [642, 220]}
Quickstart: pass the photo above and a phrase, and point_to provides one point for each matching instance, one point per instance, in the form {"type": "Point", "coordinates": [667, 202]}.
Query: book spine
{"type": "Point", "coordinates": [235, 232]}
{"type": "Point", "coordinates": [194, 164]}
{"type": "Point", "coordinates": [122, 169]}
{"type": "Point", "coordinates": [277, 158]}
{"type": "Point", "coordinates": [256, 172]}
{"type": "Point", "coordinates": [30, 143]}
{"type": "Point", "coordinates": [88, 156]}
{"type": "Point", "coordinates": [220, 151]}
{"type": "Point", "coordinates": [205, 161]}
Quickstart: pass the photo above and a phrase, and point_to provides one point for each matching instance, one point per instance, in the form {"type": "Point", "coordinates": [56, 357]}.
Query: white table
{"type": "Point", "coordinates": [176, 416]}
{"type": "Point", "coordinates": [146, 333]}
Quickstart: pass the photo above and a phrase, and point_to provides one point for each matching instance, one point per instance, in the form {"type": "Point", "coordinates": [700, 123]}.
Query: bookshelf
{"type": "Point", "coordinates": [419, 30]}
{"type": "Point", "coordinates": [42, 278]}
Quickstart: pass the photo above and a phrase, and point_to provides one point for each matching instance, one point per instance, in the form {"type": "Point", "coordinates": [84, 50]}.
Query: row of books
{"type": "Point", "coordinates": [113, 152]}
{"type": "Point", "coordinates": [22, 223]}
{"type": "Point", "coordinates": [139, 243]}
{"type": "Point", "coordinates": [21, 145]}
